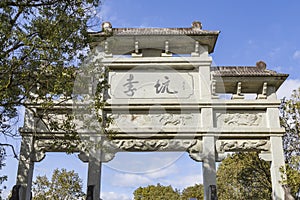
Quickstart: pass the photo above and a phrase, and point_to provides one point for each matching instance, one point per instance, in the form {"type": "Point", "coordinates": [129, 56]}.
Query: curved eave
{"type": "Point", "coordinates": [250, 84]}
{"type": "Point", "coordinates": [208, 38]}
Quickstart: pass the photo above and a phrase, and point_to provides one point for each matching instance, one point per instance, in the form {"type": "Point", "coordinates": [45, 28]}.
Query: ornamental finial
{"type": "Point", "coordinates": [106, 27]}
{"type": "Point", "coordinates": [261, 65]}
{"type": "Point", "coordinates": [197, 25]}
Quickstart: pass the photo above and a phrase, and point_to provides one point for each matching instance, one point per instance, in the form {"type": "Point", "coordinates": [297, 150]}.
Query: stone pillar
{"type": "Point", "coordinates": [25, 168]}
{"type": "Point", "coordinates": [94, 173]}
{"type": "Point", "coordinates": [205, 78]}
{"type": "Point", "coordinates": [276, 164]}
{"type": "Point", "coordinates": [277, 155]}
{"type": "Point", "coordinates": [209, 166]}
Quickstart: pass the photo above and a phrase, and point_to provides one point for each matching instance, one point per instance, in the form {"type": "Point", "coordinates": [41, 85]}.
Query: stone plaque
{"type": "Point", "coordinates": [151, 85]}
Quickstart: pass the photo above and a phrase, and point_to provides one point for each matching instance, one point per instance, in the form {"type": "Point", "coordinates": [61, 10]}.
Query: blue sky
{"type": "Point", "coordinates": [250, 31]}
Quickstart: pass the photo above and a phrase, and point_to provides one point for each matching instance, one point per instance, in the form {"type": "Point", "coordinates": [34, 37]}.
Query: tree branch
{"type": "Point", "coordinates": [27, 4]}
{"type": "Point", "coordinates": [12, 147]}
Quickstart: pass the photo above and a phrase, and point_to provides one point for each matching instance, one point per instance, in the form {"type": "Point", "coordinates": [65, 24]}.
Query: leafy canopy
{"type": "Point", "coordinates": [195, 191]}
{"type": "Point", "coordinates": [244, 176]}
{"type": "Point", "coordinates": [63, 185]}
{"type": "Point", "coordinates": [290, 120]}
{"type": "Point", "coordinates": [41, 44]}
{"type": "Point", "coordinates": [153, 192]}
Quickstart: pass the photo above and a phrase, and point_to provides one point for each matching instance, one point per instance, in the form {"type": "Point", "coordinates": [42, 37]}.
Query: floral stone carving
{"type": "Point", "coordinates": [239, 119]}
{"type": "Point", "coordinates": [243, 145]}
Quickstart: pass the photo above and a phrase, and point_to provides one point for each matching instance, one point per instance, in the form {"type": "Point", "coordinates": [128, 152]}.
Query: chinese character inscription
{"type": "Point", "coordinates": [130, 86]}
{"type": "Point", "coordinates": [151, 85]}
{"type": "Point", "coordinates": [163, 87]}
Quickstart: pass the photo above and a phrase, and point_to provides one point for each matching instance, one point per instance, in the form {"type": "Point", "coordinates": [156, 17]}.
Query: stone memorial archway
{"type": "Point", "coordinates": [165, 95]}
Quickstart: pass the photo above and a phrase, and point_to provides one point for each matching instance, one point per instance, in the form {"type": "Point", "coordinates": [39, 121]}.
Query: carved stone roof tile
{"type": "Point", "coordinates": [159, 31]}
{"type": "Point", "coordinates": [243, 71]}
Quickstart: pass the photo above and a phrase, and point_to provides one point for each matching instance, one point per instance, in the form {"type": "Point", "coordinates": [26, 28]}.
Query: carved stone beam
{"type": "Point", "coordinates": [84, 157]}
{"type": "Point", "coordinates": [37, 155]}
{"type": "Point", "coordinates": [167, 52]}
{"type": "Point", "coordinates": [196, 153]}
{"type": "Point", "coordinates": [105, 156]}
{"type": "Point", "coordinates": [107, 152]}
{"type": "Point", "coordinates": [136, 53]}
{"type": "Point", "coordinates": [238, 94]}
{"type": "Point", "coordinates": [198, 157]}
{"type": "Point", "coordinates": [263, 94]}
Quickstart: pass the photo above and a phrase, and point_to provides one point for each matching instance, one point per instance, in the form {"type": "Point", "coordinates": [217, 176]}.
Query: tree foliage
{"type": "Point", "coordinates": [63, 185]}
{"type": "Point", "coordinates": [154, 192]}
{"type": "Point", "coordinates": [290, 120]}
{"type": "Point", "coordinates": [195, 191]}
{"type": "Point", "coordinates": [244, 176]}
{"type": "Point", "coordinates": [41, 43]}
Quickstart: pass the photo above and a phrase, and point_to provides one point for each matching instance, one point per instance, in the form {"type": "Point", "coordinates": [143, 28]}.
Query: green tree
{"type": "Point", "coordinates": [63, 185]}
{"type": "Point", "coordinates": [154, 192]}
{"type": "Point", "coordinates": [195, 191]}
{"type": "Point", "coordinates": [41, 44]}
{"type": "Point", "coordinates": [244, 176]}
{"type": "Point", "coordinates": [290, 120]}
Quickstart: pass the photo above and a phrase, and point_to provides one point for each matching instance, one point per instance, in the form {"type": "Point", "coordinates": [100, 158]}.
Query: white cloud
{"type": "Point", "coordinates": [287, 87]}
{"type": "Point", "coordinates": [130, 180]}
{"type": "Point", "coordinates": [143, 162]}
{"type": "Point", "coordinates": [114, 196]}
{"type": "Point", "coordinates": [296, 55]}
{"type": "Point", "coordinates": [173, 169]}
{"type": "Point", "coordinates": [134, 180]}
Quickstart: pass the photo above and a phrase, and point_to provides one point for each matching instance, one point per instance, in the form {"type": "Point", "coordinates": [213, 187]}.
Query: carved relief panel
{"type": "Point", "coordinates": [155, 122]}
{"type": "Point", "coordinates": [239, 118]}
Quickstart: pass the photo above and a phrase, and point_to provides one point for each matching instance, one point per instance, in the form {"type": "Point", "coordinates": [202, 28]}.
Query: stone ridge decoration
{"type": "Point", "coordinates": [242, 145]}
{"type": "Point", "coordinates": [151, 85]}
{"type": "Point", "coordinates": [154, 145]}
{"type": "Point", "coordinates": [193, 146]}
{"type": "Point", "coordinates": [111, 147]}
